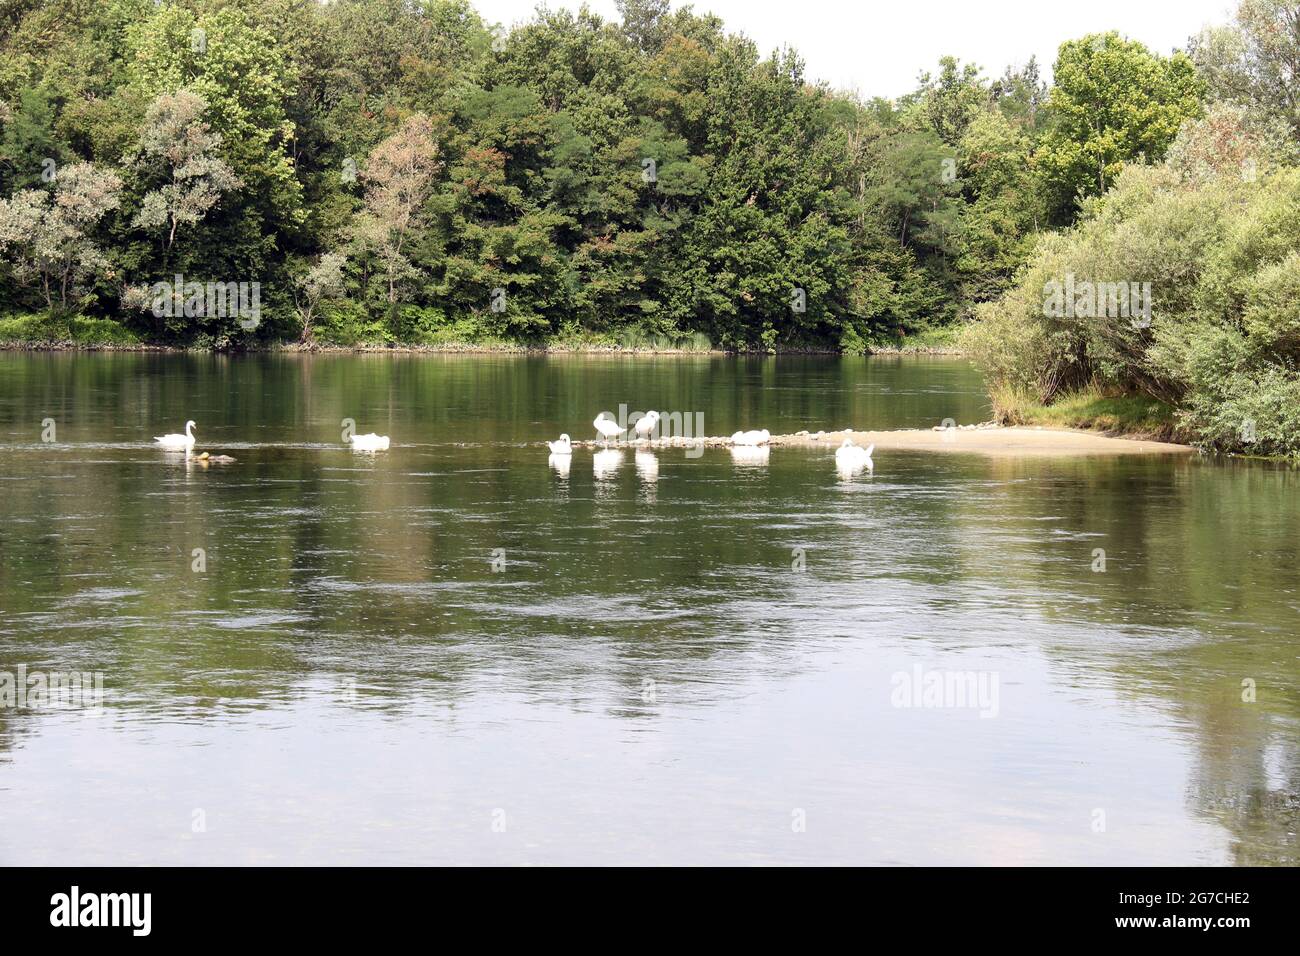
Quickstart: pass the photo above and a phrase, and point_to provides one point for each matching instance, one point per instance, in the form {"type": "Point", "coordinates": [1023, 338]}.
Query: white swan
{"type": "Point", "coordinates": [561, 447]}
{"type": "Point", "coordinates": [370, 442]}
{"type": "Point", "coordinates": [607, 427]}
{"type": "Point", "coordinates": [176, 442]}
{"type": "Point", "coordinates": [751, 437]}
{"type": "Point", "coordinates": [851, 457]}
{"type": "Point", "coordinates": [645, 425]}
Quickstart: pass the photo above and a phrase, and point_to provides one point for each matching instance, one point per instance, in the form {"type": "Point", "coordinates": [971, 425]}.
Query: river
{"type": "Point", "coordinates": [452, 652]}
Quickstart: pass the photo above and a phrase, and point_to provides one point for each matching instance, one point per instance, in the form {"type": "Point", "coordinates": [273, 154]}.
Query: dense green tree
{"type": "Point", "coordinates": [1022, 95]}
{"type": "Point", "coordinates": [178, 155]}
{"type": "Point", "coordinates": [949, 102]}
{"type": "Point", "coordinates": [395, 169]}
{"type": "Point", "coordinates": [46, 237]}
{"type": "Point", "coordinates": [1004, 206]}
{"type": "Point", "coordinates": [1113, 102]}
{"type": "Point", "coordinates": [29, 149]}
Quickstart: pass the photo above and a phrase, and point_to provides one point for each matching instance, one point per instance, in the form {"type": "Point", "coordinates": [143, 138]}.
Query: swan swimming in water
{"type": "Point", "coordinates": [645, 425]}
{"type": "Point", "coordinates": [607, 428]}
{"type": "Point", "coordinates": [852, 458]}
{"type": "Point", "coordinates": [561, 447]}
{"type": "Point", "coordinates": [175, 442]}
{"type": "Point", "coordinates": [751, 437]}
{"type": "Point", "coordinates": [369, 442]}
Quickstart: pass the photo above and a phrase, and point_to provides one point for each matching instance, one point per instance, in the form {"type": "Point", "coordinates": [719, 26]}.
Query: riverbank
{"type": "Point", "coordinates": [89, 343]}
{"type": "Point", "coordinates": [940, 341]}
{"type": "Point", "coordinates": [1130, 416]}
{"type": "Point", "coordinates": [46, 333]}
{"type": "Point", "coordinates": [987, 439]}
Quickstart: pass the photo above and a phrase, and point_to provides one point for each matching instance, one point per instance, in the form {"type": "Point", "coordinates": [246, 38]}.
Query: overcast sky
{"type": "Point", "coordinates": [879, 48]}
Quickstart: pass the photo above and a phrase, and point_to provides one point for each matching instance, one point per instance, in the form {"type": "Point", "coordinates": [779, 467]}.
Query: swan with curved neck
{"type": "Point", "coordinates": [607, 428]}
{"type": "Point", "coordinates": [645, 425]}
{"type": "Point", "coordinates": [177, 442]}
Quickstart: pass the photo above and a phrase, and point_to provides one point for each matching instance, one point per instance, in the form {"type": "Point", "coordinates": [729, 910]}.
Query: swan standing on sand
{"type": "Point", "coordinates": [607, 428]}
{"type": "Point", "coordinates": [645, 425]}
{"type": "Point", "coordinates": [176, 442]}
{"type": "Point", "coordinates": [561, 447]}
{"type": "Point", "coordinates": [369, 442]}
{"type": "Point", "coordinates": [751, 437]}
{"type": "Point", "coordinates": [851, 457]}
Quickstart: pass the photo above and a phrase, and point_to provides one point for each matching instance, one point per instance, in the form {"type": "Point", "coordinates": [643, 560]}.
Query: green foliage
{"type": "Point", "coordinates": [1114, 102]}
{"type": "Point", "coordinates": [391, 171]}
{"type": "Point", "coordinates": [49, 328]}
{"type": "Point", "coordinates": [29, 150]}
{"type": "Point", "coordinates": [1091, 408]}
{"type": "Point", "coordinates": [1251, 63]}
{"type": "Point", "coordinates": [350, 323]}
{"type": "Point", "coordinates": [1221, 250]}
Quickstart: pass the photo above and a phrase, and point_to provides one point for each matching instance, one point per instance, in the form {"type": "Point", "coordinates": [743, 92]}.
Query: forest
{"type": "Point", "coordinates": [399, 171]}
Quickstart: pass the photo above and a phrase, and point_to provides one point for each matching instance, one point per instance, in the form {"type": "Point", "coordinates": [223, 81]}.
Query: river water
{"type": "Point", "coordinates": [452, 652]}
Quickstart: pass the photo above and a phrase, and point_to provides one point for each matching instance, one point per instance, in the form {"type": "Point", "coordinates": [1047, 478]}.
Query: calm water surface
{"type": "Point", "coordinates": [451, 653]}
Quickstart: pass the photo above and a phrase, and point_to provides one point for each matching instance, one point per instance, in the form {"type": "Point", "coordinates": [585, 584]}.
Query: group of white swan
{"type": "Point", "coordinates": [607, 428]}
{"type": "Point", "coordinates": [178, 442]}
{"type": "Point", "coordinates": [747, 446]}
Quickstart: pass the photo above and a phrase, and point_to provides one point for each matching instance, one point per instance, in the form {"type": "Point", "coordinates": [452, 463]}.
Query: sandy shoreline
{"type": "Point", "coordinates": [1012, 442]}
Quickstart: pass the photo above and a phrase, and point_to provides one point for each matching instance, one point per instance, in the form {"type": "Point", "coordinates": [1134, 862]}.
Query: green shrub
{"type": "Point", "coordinates": [102, 332]}
{"type": "Point", "coordinates": [1221, 252]}
{"type": "Point", "coordinates": [48, 328]}
{"type": "Point", "coordinates": [643, 340]}
{"type": "Point", "coordinates": [350, 323]}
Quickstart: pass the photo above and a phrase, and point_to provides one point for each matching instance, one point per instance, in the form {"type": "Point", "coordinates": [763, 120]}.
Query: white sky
{"type": "Point", "coordinates": [879, 48]}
